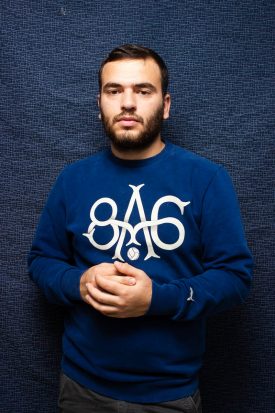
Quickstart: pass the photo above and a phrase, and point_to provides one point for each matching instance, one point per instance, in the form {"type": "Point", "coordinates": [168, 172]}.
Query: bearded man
{"type": "Point", "coordinates": [141, 243]}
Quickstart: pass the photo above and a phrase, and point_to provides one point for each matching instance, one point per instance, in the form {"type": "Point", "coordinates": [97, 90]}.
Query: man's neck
{"type": "Point", "coordinates": [139, 154]}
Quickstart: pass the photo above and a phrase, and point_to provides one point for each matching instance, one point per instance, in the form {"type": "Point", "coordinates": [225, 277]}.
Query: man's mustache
{"type": "Point", "coordinates": [130, 115]}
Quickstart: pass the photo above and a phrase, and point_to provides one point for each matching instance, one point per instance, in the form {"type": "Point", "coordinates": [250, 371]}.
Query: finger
{"type": "Point", "coordinates": [127, 269]}
{"type": "Point", "coordinates": [106, 269]}
{"type": "Point", "coordinates": [104, 309]}
{"type": "Point", "coordinates": [123, 279]}
{"type": "Point", "coordinates": [108, 285]}
{"type": "Point", "coordinates": [102, 297]}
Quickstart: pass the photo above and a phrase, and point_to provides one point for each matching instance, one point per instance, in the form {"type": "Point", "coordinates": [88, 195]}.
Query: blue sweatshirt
{"type": "Point", "coordinates": [176, 217]}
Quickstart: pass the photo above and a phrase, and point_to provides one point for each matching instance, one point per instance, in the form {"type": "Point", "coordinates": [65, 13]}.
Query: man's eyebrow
{"type": "Point", "coordinates": [111, 84]}
{"type": "Point", "coordinates": [146, 85]}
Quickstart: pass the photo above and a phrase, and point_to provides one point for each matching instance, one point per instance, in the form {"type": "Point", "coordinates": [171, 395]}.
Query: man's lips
{"type": "Point", "coordinates": [128, 121]}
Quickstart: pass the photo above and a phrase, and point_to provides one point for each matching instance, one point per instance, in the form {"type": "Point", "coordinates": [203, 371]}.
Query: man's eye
{"type": "Point", "coordinates": [112, 91]}
{"type": "Point", "coordinates": [144, 92]}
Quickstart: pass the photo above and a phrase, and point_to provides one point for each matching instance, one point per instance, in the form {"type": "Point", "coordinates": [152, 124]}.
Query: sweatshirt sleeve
{"type": "Point", "coordinates": [226, 260]}
{"type": "Point", "coordinates": [51, 263]}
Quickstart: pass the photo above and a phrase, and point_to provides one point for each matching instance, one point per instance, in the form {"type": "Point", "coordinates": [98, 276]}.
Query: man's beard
{"type": "Point", "coordinates": [128, 140]}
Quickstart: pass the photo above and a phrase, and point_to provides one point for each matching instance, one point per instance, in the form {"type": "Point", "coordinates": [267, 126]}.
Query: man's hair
{"type": "Point", "coordinates": [134, 51]}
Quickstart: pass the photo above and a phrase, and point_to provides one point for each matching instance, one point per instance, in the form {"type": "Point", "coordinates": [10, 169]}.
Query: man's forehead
{"type": "Point", "coordinates": [123, 70]}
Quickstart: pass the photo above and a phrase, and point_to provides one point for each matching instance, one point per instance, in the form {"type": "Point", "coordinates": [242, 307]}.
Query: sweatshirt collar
{"type": "Point", "coordinates": [140, 163]}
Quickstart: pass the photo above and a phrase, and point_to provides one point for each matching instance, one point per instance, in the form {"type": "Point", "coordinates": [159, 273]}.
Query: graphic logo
{"type": "Point", "coordinates": [149, 228]}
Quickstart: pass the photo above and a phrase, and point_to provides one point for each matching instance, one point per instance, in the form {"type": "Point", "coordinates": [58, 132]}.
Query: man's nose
{"type": "Point", "coordinates": [128, 100]}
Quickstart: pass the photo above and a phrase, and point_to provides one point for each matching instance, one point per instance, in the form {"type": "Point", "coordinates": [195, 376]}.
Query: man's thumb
{"type": "Point", "coordinates": [126, 269]}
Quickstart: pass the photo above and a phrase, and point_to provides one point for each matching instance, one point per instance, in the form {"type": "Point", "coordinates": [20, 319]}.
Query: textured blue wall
{"type": "Point", "coordinates": [220, 58]}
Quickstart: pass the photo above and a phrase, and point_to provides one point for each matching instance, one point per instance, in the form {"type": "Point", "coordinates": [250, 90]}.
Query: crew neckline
{"type": "Point", "coordinates": [140, 163]}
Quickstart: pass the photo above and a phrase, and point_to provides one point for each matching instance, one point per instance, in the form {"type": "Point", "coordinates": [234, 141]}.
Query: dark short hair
{"type": "Point", "coordinates": [134, 51]}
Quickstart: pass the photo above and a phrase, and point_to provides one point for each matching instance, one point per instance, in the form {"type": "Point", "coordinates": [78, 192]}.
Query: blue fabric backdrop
{"type": "Point", "coordinates": [221, 62]}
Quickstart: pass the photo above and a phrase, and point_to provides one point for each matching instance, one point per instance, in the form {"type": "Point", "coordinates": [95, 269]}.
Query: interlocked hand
{"type": "Point", "coordinates": [127, 293]}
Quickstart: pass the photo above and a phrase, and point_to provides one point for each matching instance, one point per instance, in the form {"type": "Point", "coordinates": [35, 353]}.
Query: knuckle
{"type": "Point", "coordinates": [125, 292]}
{"type": "Point", "coordinates": [89, 272]}
{"type": "Point", "coordinates": [92, 271]}
{"type": "Point", "coordinates": [98, 298]}
{"type": "Point", "coordinates": [124, 265]}
{"type": "Point", "coordinates": [105, 312]}
{"type": "Point", "coordinates": [121, 302]}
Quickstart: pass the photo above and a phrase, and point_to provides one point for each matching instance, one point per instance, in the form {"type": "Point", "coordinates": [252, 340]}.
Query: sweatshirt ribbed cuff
{"type": "Point", "coordinates": [165, 300]}
{"type": "Point", "coordinates": [70, 284]}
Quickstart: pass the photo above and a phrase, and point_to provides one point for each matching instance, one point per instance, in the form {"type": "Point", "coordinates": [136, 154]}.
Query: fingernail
{"type": "Point", "coordinates": [131, 281]}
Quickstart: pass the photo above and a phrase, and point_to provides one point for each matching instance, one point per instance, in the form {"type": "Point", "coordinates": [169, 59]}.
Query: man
{"type": "Point", "coordinates": [141, 242]}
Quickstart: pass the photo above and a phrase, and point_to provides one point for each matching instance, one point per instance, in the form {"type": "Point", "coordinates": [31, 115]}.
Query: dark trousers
{"type": "Point", "coordinates": [74, 398]}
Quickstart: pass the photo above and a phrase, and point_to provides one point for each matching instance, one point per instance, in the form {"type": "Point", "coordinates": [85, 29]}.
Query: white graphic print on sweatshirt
{"type": "Point", "coordinates": [149, 228]}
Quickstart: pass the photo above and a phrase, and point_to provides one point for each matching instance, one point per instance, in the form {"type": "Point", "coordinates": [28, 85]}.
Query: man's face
{"type": "Point", "coordinates": [131, 103]}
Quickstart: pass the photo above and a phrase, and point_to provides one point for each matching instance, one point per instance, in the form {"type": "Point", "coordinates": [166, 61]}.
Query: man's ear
{"type": "Point", "coordinates": [98, 104]}
{"type": "Point", "coordinates": [166, 105]}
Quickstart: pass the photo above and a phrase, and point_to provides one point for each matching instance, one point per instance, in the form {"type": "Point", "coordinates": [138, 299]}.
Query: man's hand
{"type": "Point", "coordinates": [104, 270]}
{"type": "Point", "coordinates": [119, 300]}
